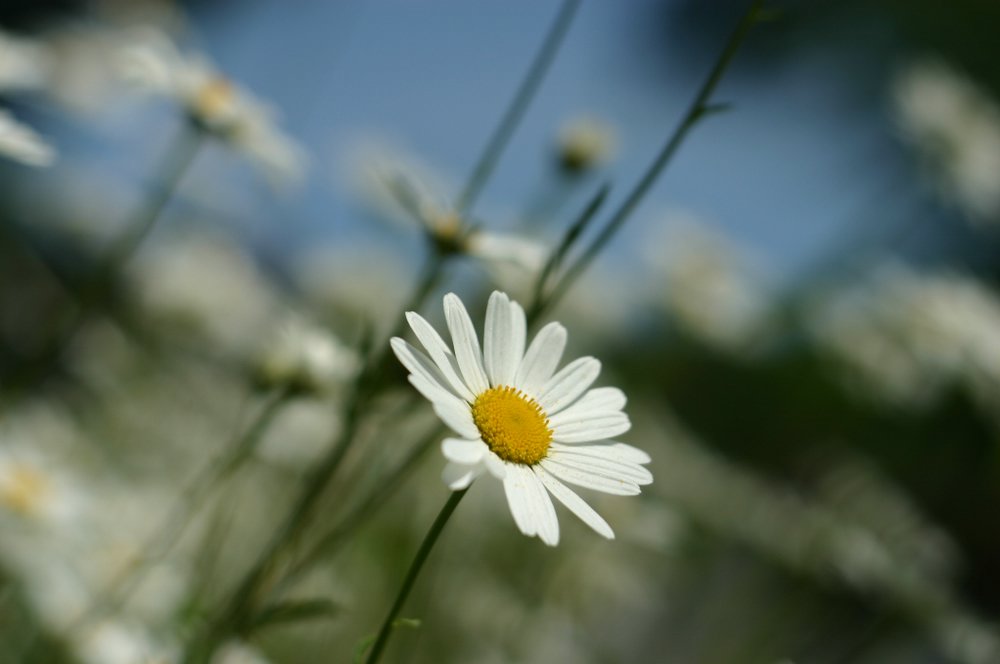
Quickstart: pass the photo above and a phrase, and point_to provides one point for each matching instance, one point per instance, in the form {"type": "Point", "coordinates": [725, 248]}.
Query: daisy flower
{"type": "Point", "coordinates": [518, 419]}
{"type": "Point", "coordinates": [153, 63]}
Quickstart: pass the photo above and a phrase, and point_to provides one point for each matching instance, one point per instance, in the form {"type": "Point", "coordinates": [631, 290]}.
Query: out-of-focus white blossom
{"type": "Point", "coordinates": [712, 289]}
{"type": "Point", "coordinates": [151, 62]}
{"type": "Point", "coordinates": [584, 143]}
{"type": "Point", "coordinates": [956, 126]}
{"type": "Point", "coordinates": [237, 652]}
{"type": "Point", "coordinates": [300, 433]}
{"type": "Point", "coordinates": [401, 188]}
{"type": "Point", "coordinates": [120, 642]}
{"type": "Point", "coordinates": [304, 356]}
{"type": "Point", "coordinates": [21, 143]}
{"type": "Point", "coordinates": [823, 539]}
{"type": "Point", "coordinates": [355, 282]}
{"type": "Point", "coordinates": [208, 286]}
{"type": "Point", "coordinates": [34, 487]}
{"type": "Point", "coordinates": [393, 183]}
{"type": "Point", "coordinates": [910, 334]}
{"type": "Point", "coordinates": [25, 64]}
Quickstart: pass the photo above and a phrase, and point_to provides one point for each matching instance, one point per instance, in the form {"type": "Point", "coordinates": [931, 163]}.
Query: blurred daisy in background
{"type": "Point", "coordinates": [152, 63]}
{"type": "Point", "coordinates": [402, 189]}
{"type": "Point", "coordinates": [584, 143]}
{"type": "Point", "coordinates": [25, 65]}
{"type": "Point", "coordinates": [955, 125]}
{"type": "Point", "coordinates": [520, 420]}
{"type": "Point", "coordinates": [713, 291]}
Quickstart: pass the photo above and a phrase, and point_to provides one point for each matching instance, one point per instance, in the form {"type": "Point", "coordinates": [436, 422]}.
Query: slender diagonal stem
{"type": "Point", "coordinates": [518, 105]}
{"type": "Point", "coordinates": [411, 575]}
{"type": "Point", "coordinates": [175, 163]}
{"type": "Point", "coordinates": [329, 542]}
{"type": "Point", "coordinates": [696, 111]}
{"type": "Point", "coordinates": [169, 173]}
{"type": "Point", "coordinates": [559, 253]}
{"type": "Point", "coordinates": [188, 504]}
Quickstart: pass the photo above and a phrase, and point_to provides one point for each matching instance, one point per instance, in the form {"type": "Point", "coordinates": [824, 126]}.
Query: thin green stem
{"type": "Point", "coordinates": [189, 502]}
{"type": "Point", "coordinates": [242, 603]}
{"type": "Point", "coordinates": [411, 575]}
{"type": "Point", "coordinates": [698, 109]}
{"type": "Point", "coordinates": [329, 542]}
{"type": "Point", "coordinates": [559, 253]}
{"type": "Point", "coordinates": [518, 105]}
{"type": "Point", "coordinates": [175, 163]}
{"type": "Point", "coordinates": [96, 287]}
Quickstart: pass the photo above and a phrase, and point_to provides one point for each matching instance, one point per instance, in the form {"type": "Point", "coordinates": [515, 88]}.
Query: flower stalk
{"type": "Point", "coordinates": [411, 575]}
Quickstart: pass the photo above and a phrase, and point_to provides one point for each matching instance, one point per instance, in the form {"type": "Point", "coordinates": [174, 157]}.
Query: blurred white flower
{"type": "Point", "coordinates": [404, 190]}
{"type": "Point", "coordinates": [911, 334]}
{"type": "Point", "coordinates": [306, 357]}
{"type": "Point", "coordinates": [507, 249]}
{"type": "Point", "coordinates": [237, 652]}
{"type": "Point", "coordinates": [396, 185]}
{"type": "Point", "coordinates": [119, 642]}
{"type": "Point", "coordinates": [21, 143]}
{"type": "Point", "coordinates": [209, 286]}
{"type": "Point", "coordinates": [956, 126]}
{"type": "Point", "coordinates": [714, 292]}
{"type": "Point", "coordinates": [354, 281]}
{"type": "Point", "coordinates": [25, 64]}
{"type": "Point", "coordinates": [513, 262]}
{"type": "Point", "coordinates": [151, 62]}
{"type": "Point", "coordinates": [36, 488]}
{"type": "Point", "coordinates": [299, 433]}
{"type": "Point", "coordinates": [520, 420]}
{"type": "Point", "coordinates": [584, 143]}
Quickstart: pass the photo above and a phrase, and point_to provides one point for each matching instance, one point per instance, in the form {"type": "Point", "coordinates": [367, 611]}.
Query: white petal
{"type": "Point", "coordinates": [574, 503]}
{"type": "Point", "coordinates": [545, 513]}
{"type": "Point", "coordinates": [597, 426]}
{"type": "Point", "coordinates": [418, 364]}
{"type": "Point", "coordinates": [495, 465]}
{"type": "Point", "coordinates": [519, 498]}
{"type": "Point", "coordinates": [588, 479]}
{"type": "Point", "coordinates": [601, 459]}
{"type": "Point", "coordinates": [456, 415]}
{"type": "Point", "coordinates": [519, 330]}
{"type": "Point", "coordinates": [541, 359]}
{"type": "Point", "coordinates": [499, 352]}
{"type": "Point", "coordinates": [458, 476]}
{"type": "Point", "coordinates": [463, 451]}
{"type": "Point", "coordinates": [440, 353]}
{"type": "Point", "coordinates": [466, 342]}
{"type": "Point", "coordinates": [566, 386]}
{"type": "Point", "coordinates": [629, 453]}
{"type": "Point", "coordinates": [599, 399]}
{"type": "Point", "coordinates": [433, 392]}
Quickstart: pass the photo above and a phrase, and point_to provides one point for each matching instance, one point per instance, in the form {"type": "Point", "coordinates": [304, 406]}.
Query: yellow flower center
{"type": "Point", "coordinates": [215, 101]}
{"type": "Point", "coordinates": [512, 424]}
{"type": "Point", "coordinates": [23, 490]}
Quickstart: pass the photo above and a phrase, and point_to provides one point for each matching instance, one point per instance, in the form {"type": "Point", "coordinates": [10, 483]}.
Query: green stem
{"type": "Point", "coordinates": [698, 109]}
{"type": "Point", "coordinates": [242, 604]}
{"type": "Point", "coordinates": [175, 163]}
{"type": "Point", "coordinates": [329, 542]}
{"type": "Point", "coordinates": [559, 253]}
{"type": "Point", "coordinates": [170, 171]}
{"type": "Point", "coordinates": [518, 105]}
{"type": "Point", "coordinates": [411, 576]}
{"type": "Point", "coordinates": [189, 502]}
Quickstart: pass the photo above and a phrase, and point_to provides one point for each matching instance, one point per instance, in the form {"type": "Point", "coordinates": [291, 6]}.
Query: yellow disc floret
{"type": "Point", "coordinates": [23, 490]}
{"type": "Point", "coordinates": [512, 424]}
{"type": "Point", "coordinates": [214, 102]}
